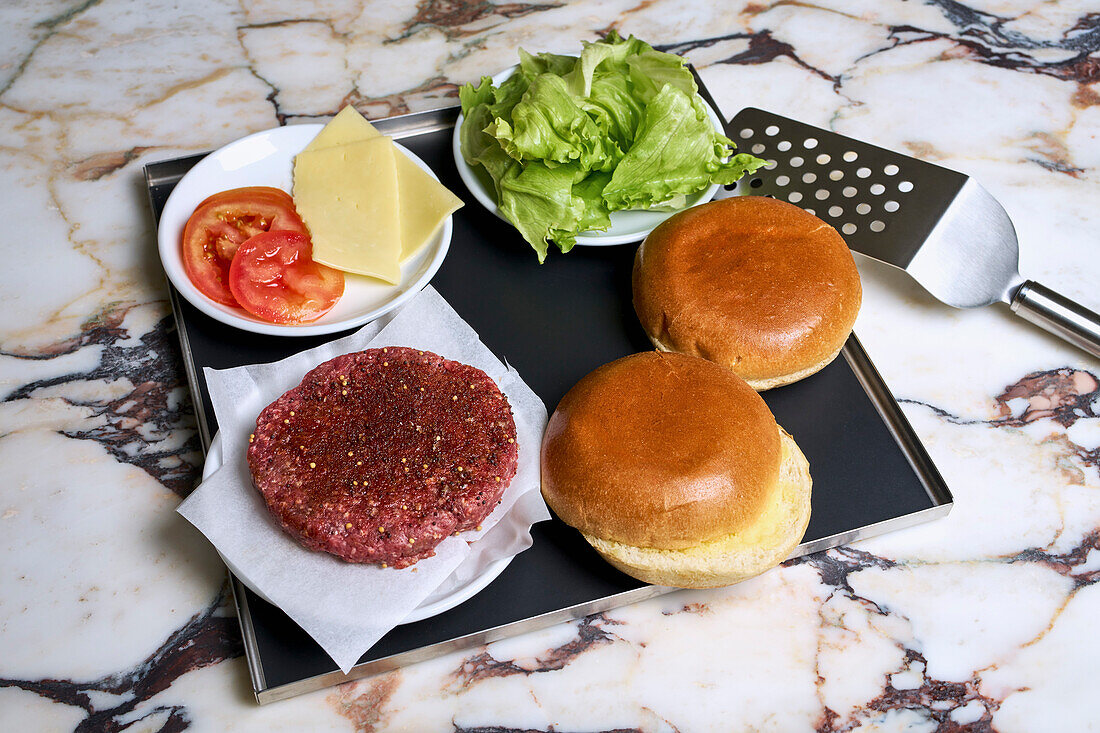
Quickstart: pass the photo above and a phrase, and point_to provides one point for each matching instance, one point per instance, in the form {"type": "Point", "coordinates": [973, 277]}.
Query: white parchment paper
{"type": "Point", "coordinates": [348, 607]}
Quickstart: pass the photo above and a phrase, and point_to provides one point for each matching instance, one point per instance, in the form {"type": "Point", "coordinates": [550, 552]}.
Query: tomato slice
{"type": "Point", "coordinates": [251, 192]}
{"type": "Point", "coordinates": [274, 277]}
{"type": "Point", "coordinates": [221, 223]}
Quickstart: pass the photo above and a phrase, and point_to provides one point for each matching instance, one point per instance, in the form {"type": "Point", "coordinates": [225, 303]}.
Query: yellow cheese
{"type": "Point", "coordinates": [425, 204]}
{"type": "Point", "coordinates": [348, 197]}
{"type": "Point", "coordinates": [417, 203]}
{"type": "Point", "coordinates": [348, 126]}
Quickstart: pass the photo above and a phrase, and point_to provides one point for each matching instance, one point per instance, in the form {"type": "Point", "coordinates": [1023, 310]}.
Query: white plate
{"type": "Point", "coordinates": [626, 226]}
{"type": "Point", "coordinates": [445, 598]}
{"type": "Point", "coordinates": [266, 159]}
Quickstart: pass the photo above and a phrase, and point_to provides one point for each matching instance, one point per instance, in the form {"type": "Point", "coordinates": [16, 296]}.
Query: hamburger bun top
{"type": "Point", "coordinates": [661, 451]}
{"type": "Point", "coordinates": [750, 282]}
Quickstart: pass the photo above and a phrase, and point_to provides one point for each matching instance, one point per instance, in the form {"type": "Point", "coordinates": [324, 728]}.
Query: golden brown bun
{"type": "Point", "coordinates": [755, 284]}
{"type": "Point", "coordinates": [675, 470]}
{"type": "Point", "coordinates": [739, 555]}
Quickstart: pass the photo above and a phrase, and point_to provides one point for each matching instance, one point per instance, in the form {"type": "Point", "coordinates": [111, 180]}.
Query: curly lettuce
{"type": "Point", "coordinates": [569, 140]}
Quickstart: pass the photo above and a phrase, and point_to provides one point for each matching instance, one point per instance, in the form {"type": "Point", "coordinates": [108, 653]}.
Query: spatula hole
{"type": "Point", "coordinates": [771, 130]}
{"type": "Point", "coordinates": [835, 211]}
{"type": "Point", "coordinates": [848, 228]}
{"type": "Point", "coordinates": [783, 145]}
{"type": "Point", "coordinates": [877, 189]}
{"type": "Point", "coordinates": [796, 161]}
{"type": "Point", "coordinates": [811, 212]}
{"type": "Point", "coordinates": [809, 143]}
{"type": "Point", "coordinates": [850, 156]}
{"type": "Point", "coordinates": [770, 165]}
{"type": "Point", "coordinates": [782, 180]}
{"type": "Point", "coordinates": [891, 170]}
{"type": "Point", "coordinates": [905, 186]}
{"type": "Point", "coordinates": [757, 149]}
{"type": "Point", "coordinates": [823, 159]}
{"type": "Point", "coordinates": [836, 175]}
{"type": "Point", "coordinates": [821, 194]}
{"type": "Point", "coordinates": [863, 208]}
{"type": "Point", "coordinates": [794, 197]}
{"type": "Point", "coordinates": [746, 133]}
{"type": "Point", "coordinates": [877, 226]}
{"type": "Point", "coordinates": [756, 183]}
{"type": "Point", "coordinates": [863, 172]}
{"type": "Point", "coordinates": [891, 206]}
{"type": "Point", "coordinates": [849, 191]}
{"type": "Point", "coordinates": [808, 177]}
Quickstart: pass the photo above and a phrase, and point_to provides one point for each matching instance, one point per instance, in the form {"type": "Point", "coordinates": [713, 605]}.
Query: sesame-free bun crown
{"type": "Point", "coordinates": [660, 450]}
{"type": "Point", "coordinates": [755, 284]}
{"type": "Point", "coordinates": [674, 469]}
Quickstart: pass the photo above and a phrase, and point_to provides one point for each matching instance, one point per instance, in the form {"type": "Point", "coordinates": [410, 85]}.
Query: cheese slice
{"type": "Point", "coordinates": [420, 203]}
{"type": "Point", "coordinates": [348, 197]}
{"type": "Point", "coordinates": [425, 204]}
{"type": "Point", "coordinates": [348, 126]}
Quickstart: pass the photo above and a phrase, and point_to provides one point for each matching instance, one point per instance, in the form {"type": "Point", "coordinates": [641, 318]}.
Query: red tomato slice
{"type": "Point", "coordinates": [277, 194]}
{"type": "Point", "coordinates": [222, 223]}
{"type": "Point", "coordinates": [274, 277]}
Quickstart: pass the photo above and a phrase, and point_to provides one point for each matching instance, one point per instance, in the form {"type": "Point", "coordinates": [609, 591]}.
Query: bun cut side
{"type": "Point", "coordinates": [738, 555]}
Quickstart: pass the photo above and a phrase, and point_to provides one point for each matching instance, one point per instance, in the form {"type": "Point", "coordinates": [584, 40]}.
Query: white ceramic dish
{"type": "Point", "coordinates": [626, 226]}
{"type": "Point", "coordinates": [266, 159]}
{"type": "Point", "coordinates": [449, 595]}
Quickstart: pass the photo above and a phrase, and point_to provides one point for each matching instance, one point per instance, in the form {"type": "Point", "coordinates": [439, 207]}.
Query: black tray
{"type": "Point", "coordinates": [554, 323]}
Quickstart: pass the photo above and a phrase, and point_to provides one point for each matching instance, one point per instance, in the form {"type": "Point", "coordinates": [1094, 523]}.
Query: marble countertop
{"type": "Point", "coordinates": [114, 612]}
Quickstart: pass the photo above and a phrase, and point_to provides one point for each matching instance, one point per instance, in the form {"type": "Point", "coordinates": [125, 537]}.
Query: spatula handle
{"type": "Point", "coordinates": [1059, 315]}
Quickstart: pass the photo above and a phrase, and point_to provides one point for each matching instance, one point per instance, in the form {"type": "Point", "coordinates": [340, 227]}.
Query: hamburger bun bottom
{"type": "Point", "coordinates": [736, 557]}
{"type": "Point", "coordinates": [767, 383]}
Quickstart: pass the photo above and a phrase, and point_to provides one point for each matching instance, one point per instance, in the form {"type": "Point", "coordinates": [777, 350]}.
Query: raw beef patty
{"type": "Point", "coordinates": [379, 455]}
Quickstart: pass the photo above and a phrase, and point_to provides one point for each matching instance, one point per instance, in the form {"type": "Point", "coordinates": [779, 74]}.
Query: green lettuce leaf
{"type": "Point", "coordinates": [548, 125]}
{"type": "Point", "coordinates": [531, 66]}
{"type": "Point", "coordinates": [676, 152]}
{"type": "Point", "coordinates": [477, 146]}
{"type": "Point", "coordinates": [651, 71]}
{"type": "Point", "coordinates": [589, 191]}
{"type": "Point", "coordinates": [476, 116]}
{"type": "Point", "coordinates": [539, 201]}
{"type": "Point", "coordinates": [613, 106]}
{"type": "Point", "coordinates": [568, 140]}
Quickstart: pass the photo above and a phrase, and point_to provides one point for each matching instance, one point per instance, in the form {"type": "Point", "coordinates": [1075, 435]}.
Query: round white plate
{"type": "Point", "coordinates": [626, 226]}
{"type": "Point", "coordinates": [443, 599]}
{"type": "Point", "coordinates": [266, 159]}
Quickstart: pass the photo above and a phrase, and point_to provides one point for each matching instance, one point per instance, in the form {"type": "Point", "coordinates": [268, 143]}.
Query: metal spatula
{"type": "Point", "coordinates": [938, 225]}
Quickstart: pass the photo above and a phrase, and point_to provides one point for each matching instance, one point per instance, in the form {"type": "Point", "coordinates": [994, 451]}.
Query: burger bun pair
{"type": "Point", "coordinates": [676, 472]}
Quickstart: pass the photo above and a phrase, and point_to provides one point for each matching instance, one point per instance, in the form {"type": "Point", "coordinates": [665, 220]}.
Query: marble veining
{"type": "Point", "coordinates": [208, 638]}
{"type": "Point", "coordinates": [149, 421]}
{"type": "Point", "coordinates": [115, 616]}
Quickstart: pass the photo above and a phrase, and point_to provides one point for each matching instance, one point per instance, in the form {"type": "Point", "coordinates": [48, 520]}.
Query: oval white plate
{"type": "Point", "coordinates": [447, 597]}
{"type": "Point", "coordinates": [266, 159]}
{"type": "Point", "coordinates": [626, 226]}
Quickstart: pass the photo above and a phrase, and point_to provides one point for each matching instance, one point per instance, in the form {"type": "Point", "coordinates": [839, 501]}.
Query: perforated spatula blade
{"type": "Point", "coordinates": [938, 225]}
